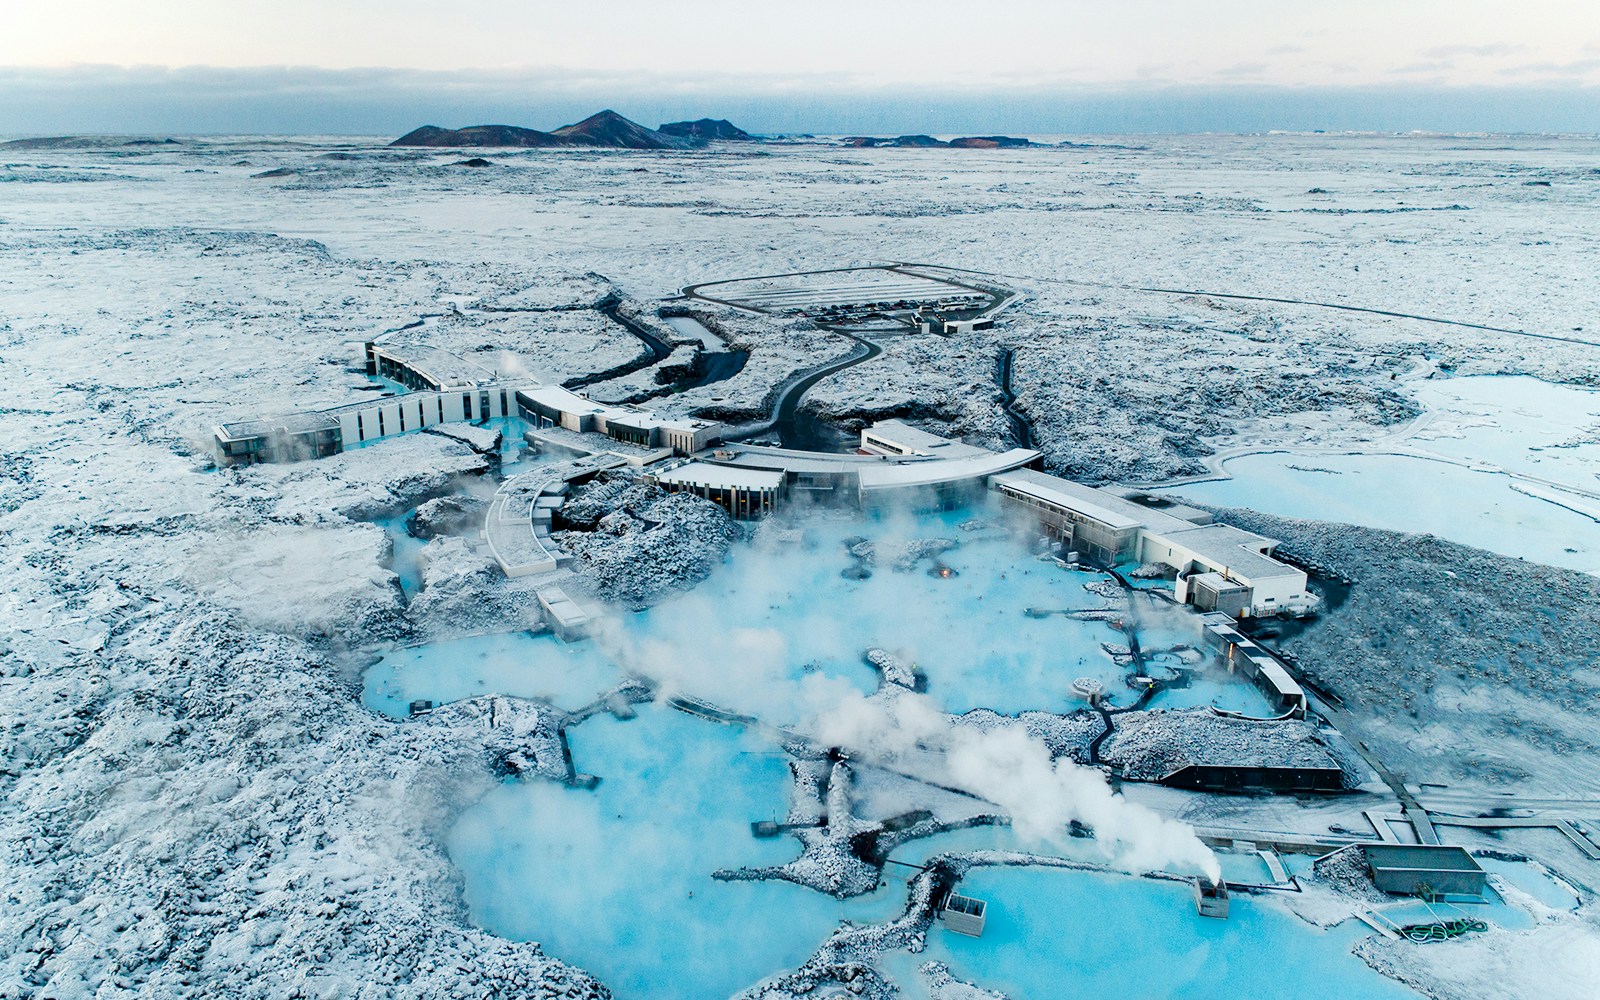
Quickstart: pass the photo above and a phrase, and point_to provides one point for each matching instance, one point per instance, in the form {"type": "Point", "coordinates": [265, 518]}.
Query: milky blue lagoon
{"type": "Point", "coordinates": [1054, 933]}
{"type": "Point", "coordinates": [618, 879]}
{"type": "Point", "coordinates": [1516, 424]}
{"type": "Point", "coordinates": [511, 663]}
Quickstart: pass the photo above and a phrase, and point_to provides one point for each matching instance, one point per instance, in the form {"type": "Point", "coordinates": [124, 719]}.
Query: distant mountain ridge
{"type": "Point", "coordinates": [605, 130]}
{"type": "Point", "coordinates": [929, 142]}
{"type": "Point", "coordinates": [609, 130]}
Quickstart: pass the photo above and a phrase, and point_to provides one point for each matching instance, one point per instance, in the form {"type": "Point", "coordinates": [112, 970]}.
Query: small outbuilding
{"type": "Point", "coordinates": [964, 914]}
{"type": "Point", "coordinates": [1425, 869]}
{"type": "Point", "coordinates": [1211, 898]}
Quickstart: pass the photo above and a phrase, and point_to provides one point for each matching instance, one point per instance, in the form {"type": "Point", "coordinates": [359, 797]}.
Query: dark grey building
{"type": "Point", "coordinates": [1411, 869]}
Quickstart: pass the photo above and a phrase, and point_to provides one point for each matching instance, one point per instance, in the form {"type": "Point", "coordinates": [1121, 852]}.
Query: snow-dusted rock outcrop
{"type": "Point", "coordinates": [1148, 746]}
{"type": "Point", "coordinates": [458, 514]}
{"type": "Point", "coordinates": [380, 479]}
{"type": "Point", "coordinates": [226, 820]}
{"type": "Point", "coordinates": [464, 593]}
{"type": "Point", "coordinates": [1429, 629]}
{"type": "Point", "coordinates": [649, 543]}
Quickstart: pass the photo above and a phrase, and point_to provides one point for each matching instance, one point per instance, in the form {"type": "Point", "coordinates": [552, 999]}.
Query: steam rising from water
{"type": "Point", "coordinates": [694, 649]}
{"type": "Point", "coordinates": [1013, 770]}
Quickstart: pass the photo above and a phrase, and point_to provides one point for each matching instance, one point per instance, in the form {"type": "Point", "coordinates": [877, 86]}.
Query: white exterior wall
{"type": "Point", "coordinates": [349, 429]}
{"type": "Point", "coordinates": [1267, 595]}
{"type": "Point", "coordinates": [1272, 594]}
{"type": "Point", "coordinates": [421, 409]}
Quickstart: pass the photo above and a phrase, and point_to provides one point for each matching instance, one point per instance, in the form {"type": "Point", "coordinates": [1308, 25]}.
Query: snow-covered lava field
{"type": "Point", "coordinates": [786, 741]}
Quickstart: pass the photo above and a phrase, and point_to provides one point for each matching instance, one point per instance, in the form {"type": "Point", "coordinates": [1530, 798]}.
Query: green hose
{"type": "Point", "coordinates": [1442, 930]}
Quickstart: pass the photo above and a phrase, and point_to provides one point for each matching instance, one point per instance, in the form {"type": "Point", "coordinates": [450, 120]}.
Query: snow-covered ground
{"type": "Point", "coordinates": [196, 799]}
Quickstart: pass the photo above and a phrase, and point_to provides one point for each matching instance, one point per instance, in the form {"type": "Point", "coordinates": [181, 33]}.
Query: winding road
{"type": "Point", "coordinates": [656, 349]}
{"type": "Point", "coordinates": [797, 429]}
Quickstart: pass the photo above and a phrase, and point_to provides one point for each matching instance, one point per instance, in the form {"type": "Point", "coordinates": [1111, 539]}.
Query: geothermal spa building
{"type": "Point", "coordinates": [1216, 567]}
{"type": "Point", "coordinates": [447, 389]}
{"type": "Point", "coordinates": [895, 464]}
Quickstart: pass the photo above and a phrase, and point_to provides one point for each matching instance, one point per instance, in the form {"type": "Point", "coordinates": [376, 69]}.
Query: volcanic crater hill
{"type": "Point", "coordinates": [718, 129]}
{"type": "Point", "coordinates": [605, 130]}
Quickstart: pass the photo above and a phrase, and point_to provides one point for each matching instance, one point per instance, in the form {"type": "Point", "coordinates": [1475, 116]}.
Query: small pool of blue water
{"type": "Point", "coordinates": [405, 553]}
{"type": "Point", "coordinates": [1054, 933]}
{"type": "Point", "coordinates": [618, 880]}
{"type": "Point", "coordinates": [569, 676]}
{"type": "Point", "coordinates": [1534, 881]}
{"type": "Point", "coordinates": [1213, 687]}
{"type": "Point", "coordinates": [516, 455]}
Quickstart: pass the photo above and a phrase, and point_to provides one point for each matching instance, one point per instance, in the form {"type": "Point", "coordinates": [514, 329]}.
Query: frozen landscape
{"type": "Point", "coordinates": [316, 728]}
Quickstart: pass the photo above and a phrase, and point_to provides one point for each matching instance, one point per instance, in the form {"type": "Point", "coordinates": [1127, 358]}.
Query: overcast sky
{"type": "Point", "coordinates": [822, 65]}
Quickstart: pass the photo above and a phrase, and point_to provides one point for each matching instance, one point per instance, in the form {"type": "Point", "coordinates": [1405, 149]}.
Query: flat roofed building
{"type": "Point", "coordinates": [1233, 553]}
{"type": "Point", "coordinates": [1215, 592]}
{"type": "Point", "coordinates": [288, 438]}
{"type": "Point", "coordinates": [896, 437]}
{"type": "Point", "coordinates": [1085, 519]}
{"type": "Point", "coordinates": [938, 483]}
{"type": "Point", "coordinates": [1282, 692]}
{"type": "Point", "coordinates": [1252, 776]}
{"type": "Point", "coordinates": [964, 914]}
{"type": "Point", "coordinates": [879, 479]}
{"type": "Point", "coordinates": [423, 368]}
{"type": "Point", "coordinates": [1218, 566]}
{"type": "Point", "coordinates": [554, 406]}
{"type": "Point", "coordinates": [1412, 869]}
{"type": "Point", "coordinates": [744, 493]}
{"type": "Point", "coordinates": [567, 618]}
{"type": "Point", "coordinates": [320, 433]}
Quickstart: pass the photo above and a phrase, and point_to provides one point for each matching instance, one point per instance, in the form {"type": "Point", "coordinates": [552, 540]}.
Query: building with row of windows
{"type": "Point", "coordinates": [444, 389]}
{"type": "Point", "coordinates": [554, 406]}
{"type": "Point", "coordinates": [896, 464]}
{"type": "Point", "coordinates": [320, 433]}
{"type": "Point", "coordinates": [1217, 567]}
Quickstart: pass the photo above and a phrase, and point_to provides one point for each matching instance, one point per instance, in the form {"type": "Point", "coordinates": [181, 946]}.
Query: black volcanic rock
{"type": "Point", "coordinates": [989, 142]}
{"type": "Point", "coordinates": [277, 172]}
{"type": "Point", "coordinates": [476, 161]}
{"type": "Point", "coordinates": [918, 141]}
{"type": "Point", "coordinates": [478, 135]}
{"type": "Point", "coordinates": [610, 130]}
{"type": "Point", "coordinates": [707, 128]}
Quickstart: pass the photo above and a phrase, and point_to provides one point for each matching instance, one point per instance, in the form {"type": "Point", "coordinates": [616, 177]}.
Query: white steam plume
{"type": "Point", "coordinates": [1008, 767]}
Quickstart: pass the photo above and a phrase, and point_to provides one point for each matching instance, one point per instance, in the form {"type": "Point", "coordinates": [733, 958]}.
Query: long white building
{"type": "Point", "coordinates": [1218, 567]}
{"type": "Point", "coordinates": [554, 406]}
{"type": "Point", "coordinates": [445, 390]}
{"type": "Point", "coordinates": [896, 464]}
{"type": "Point", "coordinates": [320, 433]}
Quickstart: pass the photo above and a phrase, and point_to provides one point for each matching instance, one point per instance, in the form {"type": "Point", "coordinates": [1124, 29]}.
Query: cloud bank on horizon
{"type": "Point", "coordinates": [375, 66]}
